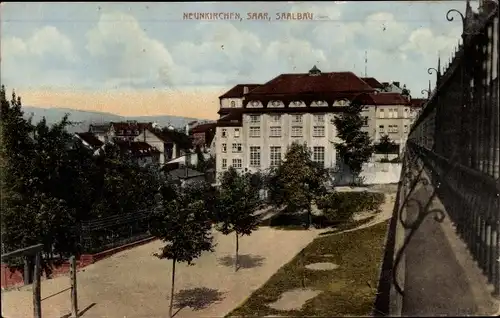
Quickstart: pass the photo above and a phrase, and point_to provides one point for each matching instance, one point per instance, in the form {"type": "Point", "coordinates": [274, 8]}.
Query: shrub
{"type": "Point", "coordinates": [341, 206]}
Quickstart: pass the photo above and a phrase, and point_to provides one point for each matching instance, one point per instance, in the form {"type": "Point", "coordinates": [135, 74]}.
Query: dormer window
{"type": "Point", "coordinates": [233, 104]}
{"type": "Point", "coordinates": [314, 71]}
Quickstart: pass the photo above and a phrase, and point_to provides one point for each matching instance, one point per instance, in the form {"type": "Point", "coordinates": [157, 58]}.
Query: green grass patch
{"type": "Point", "coordinates": [349, 290]}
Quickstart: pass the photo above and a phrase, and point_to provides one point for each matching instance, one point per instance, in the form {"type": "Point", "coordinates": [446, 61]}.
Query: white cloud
{"type": "Point", "coordinates": [132, 56]}
{"type": "Point", "coordinates": [122, 49]}
{"type": "Point", "coordinates": [47, 41]}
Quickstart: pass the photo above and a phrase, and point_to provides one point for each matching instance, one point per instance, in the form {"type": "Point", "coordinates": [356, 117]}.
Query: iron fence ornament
{"type": "Point", "coordinates": [455, 141]}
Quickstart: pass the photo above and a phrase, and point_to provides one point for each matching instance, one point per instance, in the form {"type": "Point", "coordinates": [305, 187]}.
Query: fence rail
{"type": "Point", "coordinates": [456, 136]}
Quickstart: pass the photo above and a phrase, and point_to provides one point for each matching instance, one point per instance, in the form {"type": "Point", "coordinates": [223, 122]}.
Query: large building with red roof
{"type": "Point", "coordinates": [258, 122]}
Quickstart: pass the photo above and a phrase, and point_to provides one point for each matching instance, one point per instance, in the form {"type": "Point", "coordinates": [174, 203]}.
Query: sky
{"type": "Point", "coordinates": [145, 59]}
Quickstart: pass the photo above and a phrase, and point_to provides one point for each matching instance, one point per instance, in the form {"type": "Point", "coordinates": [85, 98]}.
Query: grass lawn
{"type": "Point", "coordinates": [346, 291]}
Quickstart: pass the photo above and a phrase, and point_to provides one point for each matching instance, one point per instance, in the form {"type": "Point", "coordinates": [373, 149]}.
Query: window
{"type": "Point", "coordinates": [236, 132]}
{"type": "Point", "coordinates": [233, 104]}
{"type": "Point", "coordinates": [224, 147]}
{"type": "Point", "coordinates": [275, 156]}
{"type": "Point", "coordinates": [255, 156]}
{"type": "Point", "coordinates": [224, 133]}
{"type": "Point", "coordinates": [393, 128]}
{"type": "Point", "coordinates": [297, 118]}
{"type": "Point", "coordinates": [406, 128]}
{"type": "Point", "coordinates": [224, 163]}
{"type": "Point", "coordinates": [276, 118]}
{"type": "Point", "coordinates": [236, 147]}
{"type": "Point", "coordinates": [254, 119]}
{"type": "Point", "coordinates": [381, 114]}
{"type": "Point", "coordinates": [405, 114]}
{"type": "Point", "coordinates": [296, 131]}
{"type": "Point", "coordinates": [395, 113]}
{"type": "Point", "coordinates": [237, 163]}
{"type": "Point", "coordinates": [275, 131]}
{"type": "Point", "coordinates": [319, 155]}
{"type": "Point", "coordinates": [381, 129]}
{"type": "Point", "coordinates": [319, 131]}
{"type": "Point", "coordinates": [319, 118]}
{"type": "Point", "coordinates": [254, 131]}
{"type": "Point", "coordinates": [365, 121]}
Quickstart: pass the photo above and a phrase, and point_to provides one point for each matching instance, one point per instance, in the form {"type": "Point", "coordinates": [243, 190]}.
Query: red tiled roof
{"type": "Point", "coordinates": [137, 148]}
{"type": "Point", "coordinates": [237, 91]}
{"type": "Point", "coordinates": [382, 99]}
{"type": "Point", "coordinates": [372, 82]}
{"type": "Point", "coordinates": [90, 139]}
{"type": "Point", "coordinates": [304, 83]}
{"type": "Point", "coordinates": [163, 135]}
{"type": "Point", "coordinates": [417, 102]}
{"type": "Point", "coordinates": [234, 118]}
{"type": "Point", "coordinates": [203, 128]}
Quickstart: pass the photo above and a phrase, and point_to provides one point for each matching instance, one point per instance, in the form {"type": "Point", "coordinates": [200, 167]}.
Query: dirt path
{"type": "Point", "coordinates": [135, 284]}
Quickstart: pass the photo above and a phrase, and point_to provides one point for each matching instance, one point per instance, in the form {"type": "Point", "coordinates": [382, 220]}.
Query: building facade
{"type": "Point", "coordinates": [259, 122]}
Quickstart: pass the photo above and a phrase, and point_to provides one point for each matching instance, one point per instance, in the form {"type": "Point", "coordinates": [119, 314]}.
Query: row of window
{"type": "Point", "coordinates": [254, 119]}
{"type": "Point", "coordinates": [275, 131]}
{"type": "Point", "coordinates": [392, 113]}
{"type": "Point", "coordinates": [392, 128]}
{"type": "Point", "coordinates": [274, 157]}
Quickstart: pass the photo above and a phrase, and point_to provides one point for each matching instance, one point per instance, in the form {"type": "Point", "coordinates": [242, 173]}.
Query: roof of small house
{"type": "Point", "coordinates": [203, 128]}
{"type": "Point", "coordinates": [90, 139]}
{"type": "Point", "coordinates": [137, 148]}
{"type": "Point", "coordinates": [184, 173]}
{"type": "Point", "coordinates": [418, 102]}
{"type": "Point", "coordinates": [372, 82]}
{"type": "Point", "coordinates": [381, 99]}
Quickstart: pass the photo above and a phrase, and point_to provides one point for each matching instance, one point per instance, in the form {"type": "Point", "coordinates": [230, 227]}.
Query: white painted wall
{"type": "Point", "coordinates": [150, 138]}
{"type": "Point", "coordinates": [265, 141]}
{"type": "Point", "coordinates": [373, 173]}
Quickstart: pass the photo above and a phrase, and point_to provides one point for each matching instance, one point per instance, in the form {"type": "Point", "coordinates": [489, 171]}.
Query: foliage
{"type": "Point", "coordinates": [355, 148]}
{"type": "Point", "coordinates": [385, 146]}
{"type": "Point", "coordinates": [50, 182]}
{"type": "Point", "coordinates": [238, 199]}
{"type": "Point", "coordinates": [297, 181]}
{"type": "Point", "coordinates": [341, 206]}
{"type": "Point", "coordinates": [183, 223]}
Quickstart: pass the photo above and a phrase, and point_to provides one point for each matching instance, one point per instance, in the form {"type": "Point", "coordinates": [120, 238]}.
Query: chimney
{"type": "Point", "coordinates": [396, 83]}
{"type": "Point", "coordinates": [245, 90]}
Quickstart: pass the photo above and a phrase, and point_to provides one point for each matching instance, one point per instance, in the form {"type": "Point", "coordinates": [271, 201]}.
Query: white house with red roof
{"type": "Point", "coordinates": [258, 122]}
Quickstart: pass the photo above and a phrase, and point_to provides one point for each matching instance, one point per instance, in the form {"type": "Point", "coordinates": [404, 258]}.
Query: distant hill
{"type": "Point", "coordinates": [85, 118]}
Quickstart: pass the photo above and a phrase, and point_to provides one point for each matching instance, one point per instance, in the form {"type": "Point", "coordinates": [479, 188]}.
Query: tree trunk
{"type": "Point", "coordinates": [237, 249]}
{"type": "Point", "coordinates": [172, 289]}
{"type": "Point", "coordinates": [309, 215]}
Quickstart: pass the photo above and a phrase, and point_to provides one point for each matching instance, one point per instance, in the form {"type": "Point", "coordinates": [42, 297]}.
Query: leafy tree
{"type": "Point", "coordinates": [385, 146]}
{"type": "Point", "coordinates": [298, 180]}
{"type": "Point", "coordinates": [238, 200]}
{"type": "Point", "coordinates": [16, 161]}
{"type": "Point", "coordinates": [183, 223]}
{"type": "Point", "coordinates": [356, 148]}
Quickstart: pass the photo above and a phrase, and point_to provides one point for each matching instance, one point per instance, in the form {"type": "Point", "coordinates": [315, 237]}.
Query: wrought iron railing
{"type": "Point", "coordinates": [454, 146]}
{"type": "Point", "coordinates": [113, 231]}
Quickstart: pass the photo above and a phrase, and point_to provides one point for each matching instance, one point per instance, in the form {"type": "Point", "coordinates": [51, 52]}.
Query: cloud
{"type": "Point", "coordinates": [129, 48]}
{"type": "Point", "coordinates": [47, 41]}
{"type": "Point", "coordinates": [124, 53]}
